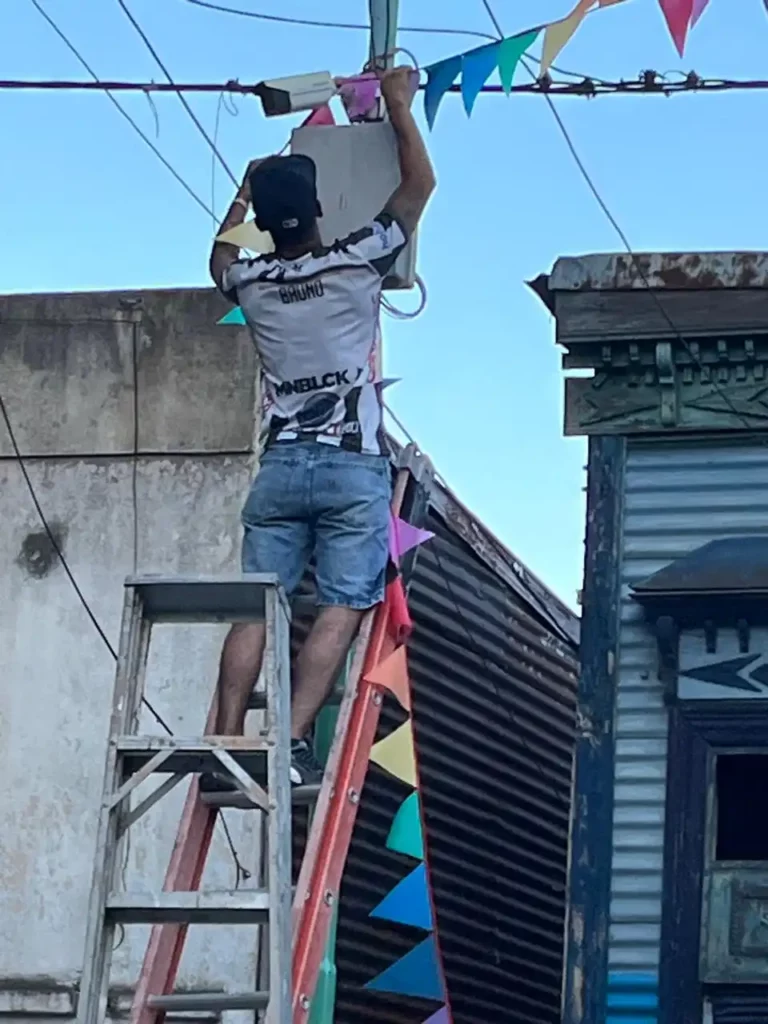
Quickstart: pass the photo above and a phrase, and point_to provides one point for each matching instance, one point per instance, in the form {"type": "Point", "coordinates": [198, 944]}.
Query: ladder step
{"type": "Point", "coordinates": [301, 796]}
{"type": "Point", "coordinates": [192, 755]}
{"type": "Point", "coordinates": [226, 906]}
{"type": "Point", "coordinates": [204, 598]}
{"type": "Point", "coordinates": [210, 1001]}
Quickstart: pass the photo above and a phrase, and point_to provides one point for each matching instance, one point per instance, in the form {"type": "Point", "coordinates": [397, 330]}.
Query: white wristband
{"type": "Point", "coordinates": [241, 201]}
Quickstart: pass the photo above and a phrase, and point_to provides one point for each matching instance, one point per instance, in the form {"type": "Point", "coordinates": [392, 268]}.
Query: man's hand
{"type": "Point", "coordinates": [397, 87]}
{"type": "Point", "coordinates": [244, 192]}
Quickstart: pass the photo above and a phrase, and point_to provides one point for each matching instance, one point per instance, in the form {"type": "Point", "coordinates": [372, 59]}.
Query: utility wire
{"type": "Point", "coordinates": [122, 110]}
{"type": "Point", "coordinates": [195, 120]}
{"type": "Point", "coordinates": [331, 24]}
{"type": "Point", "coordinates": [649, 83]}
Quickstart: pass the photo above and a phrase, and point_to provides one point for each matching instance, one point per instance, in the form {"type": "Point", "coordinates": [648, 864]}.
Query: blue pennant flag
{"type": "Point", "coordinates": [440, 78]}
{"type": "Point", "coordinates": [234, 316]}
{"type": "Point", "coordinates": [477, 66]}
{"type": "Point", "coordinates": [417, 974]}
{"type": "Point", "coordinates": [408, 903]}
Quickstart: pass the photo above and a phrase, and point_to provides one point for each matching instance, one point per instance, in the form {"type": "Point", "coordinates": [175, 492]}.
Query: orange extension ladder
{"type": "Point", "coordinates": [297, 934]}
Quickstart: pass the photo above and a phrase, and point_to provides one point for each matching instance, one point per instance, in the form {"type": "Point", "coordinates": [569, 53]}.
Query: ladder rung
{"type": "Point", "coordinates": [226, 906]}
{"type": "Point", "coordinates": [301, 796]}
{"type": "Point", "coordinates": [192, 755]}
{"type": "Point", "coordinates": [210, 1001]}
{"type": "Point", "coordinates": [204, 598]}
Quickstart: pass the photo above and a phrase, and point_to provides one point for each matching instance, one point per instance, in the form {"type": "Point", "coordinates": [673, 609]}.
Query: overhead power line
{"type": "Point", "coordinates": [193, 116]}
{"type": "Point", "coordinates": [105, 87]}
{"type": "Point", "coordinates": [650, 83]}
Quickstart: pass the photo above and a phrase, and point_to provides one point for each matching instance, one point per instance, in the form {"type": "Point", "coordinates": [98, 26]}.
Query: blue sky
{"type": "Point", "coordinates": [85, 205]}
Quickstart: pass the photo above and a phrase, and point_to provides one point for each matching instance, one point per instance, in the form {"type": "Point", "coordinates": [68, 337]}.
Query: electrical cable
{"type": "Point", "coordinates": [331, 24]}
{"type": "Point", "coordinates": [182, 99]}
{"type": "Point", "coordinates": [122, 110]}
{"type": "Point", "coordinates": [400, 314]}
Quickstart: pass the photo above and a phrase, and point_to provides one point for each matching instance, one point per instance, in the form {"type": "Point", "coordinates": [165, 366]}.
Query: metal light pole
{"type": "Point", "coordinates": [383, 16]}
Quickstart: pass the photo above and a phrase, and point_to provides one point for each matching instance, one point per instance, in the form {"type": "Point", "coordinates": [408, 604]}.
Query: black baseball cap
{"type": "Point", "coordinates": [284, 196]}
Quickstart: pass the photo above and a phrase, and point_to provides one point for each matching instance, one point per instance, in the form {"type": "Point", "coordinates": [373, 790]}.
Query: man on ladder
{"type": "Point", "coordinates": [323, 486]}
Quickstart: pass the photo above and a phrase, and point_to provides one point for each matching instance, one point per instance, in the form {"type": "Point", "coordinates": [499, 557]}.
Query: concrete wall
{"type": "Point", "coordinates": [84, 377]}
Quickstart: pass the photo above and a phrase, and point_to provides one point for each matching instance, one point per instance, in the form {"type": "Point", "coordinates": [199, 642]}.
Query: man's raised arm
{"type": "Point", "coordinates": [224, 254]}
{"type": "Point", "coordinates": [417, 178]}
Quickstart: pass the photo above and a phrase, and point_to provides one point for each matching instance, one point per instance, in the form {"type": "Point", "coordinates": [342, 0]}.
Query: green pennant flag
{"type": "Point", "coordinates": [510, 52]}
{"type": "Point", "coordinates": [406, 836]}
{"type": "Point", "coordinates": [234, 316]}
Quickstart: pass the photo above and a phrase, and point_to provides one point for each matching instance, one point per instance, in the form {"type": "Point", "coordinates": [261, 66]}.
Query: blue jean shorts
{"type": "Point", "coordinates": [310, 499]}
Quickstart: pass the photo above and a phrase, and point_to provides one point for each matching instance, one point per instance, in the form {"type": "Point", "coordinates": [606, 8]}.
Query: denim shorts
{"type": "Point", "coordinates": [310, 499]}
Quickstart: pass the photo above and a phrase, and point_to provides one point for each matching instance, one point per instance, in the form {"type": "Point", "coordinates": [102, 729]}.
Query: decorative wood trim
{"type": "Point", "coordinates": [586, 952]}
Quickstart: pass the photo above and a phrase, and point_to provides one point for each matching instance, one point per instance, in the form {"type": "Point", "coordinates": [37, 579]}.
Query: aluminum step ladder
{"type": "Point", "coordinates": [132, 759]}
{"type": "Point", "coordinates": [294, 924]}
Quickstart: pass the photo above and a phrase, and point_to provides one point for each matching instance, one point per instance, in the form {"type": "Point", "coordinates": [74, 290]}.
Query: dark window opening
{"type": "Point", "coordinates": [742, 807]}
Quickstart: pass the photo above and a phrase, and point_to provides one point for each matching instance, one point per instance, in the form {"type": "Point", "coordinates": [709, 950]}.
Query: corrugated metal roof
{"type": "Point", "coordinates": [673, 270]}
{"type": "Point", "coordinates": [494, 696]}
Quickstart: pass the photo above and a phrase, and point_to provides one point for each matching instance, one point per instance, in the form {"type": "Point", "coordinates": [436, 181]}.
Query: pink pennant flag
{"type": "Point", "coordinates": [359, 95]}
{"type": "Point", "coordinates": [699, 7]}
{"type": "Point", "coordinates": [678, 16]}
{"type": "Point", "coordinates": [323, 115]}
{"type": "Point", "coordinates": [403, 538]}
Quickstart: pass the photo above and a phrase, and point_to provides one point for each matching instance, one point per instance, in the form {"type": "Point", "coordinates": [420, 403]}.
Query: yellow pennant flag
{"type": "Point", "coordinates": [395, 754]}
{"type": "Point", "coordinates": [248, 236]}
{"type": "Point", "coordinates": [559, 32]}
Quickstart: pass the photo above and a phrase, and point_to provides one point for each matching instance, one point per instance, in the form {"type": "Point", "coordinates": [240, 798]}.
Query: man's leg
{"type": "Point", "coordinates": [239, 670]}
{"type": "Point", "coordinates": [351, 498]}
{"type": "Point", "coordinates": [276, 539]}
{"type": "Point", "coordinates": [318, 664]}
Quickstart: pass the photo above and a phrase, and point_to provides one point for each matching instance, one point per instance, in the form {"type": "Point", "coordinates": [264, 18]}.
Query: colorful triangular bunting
{"type": "Point", "coordinates": [405, 835]}
{"type": "Point", "coordinates": [477, 66]}
{"type": "Point", "coordinates": [322, 116]}
{"type": "Point", "coordinates": [395, 754]}
{"type": "Point", "coordinates": [558, 33]}
{"type": "Point", "coordinates": [408, 903]}
{"type": "Point", "coordinates": [392, 674]}
{"type": "Point", "coordinates": [699, 7]}
{"type": "Point", "coordinates": [359, 95]}
{"type": "Point", "coordinates": [441, 1017]}
{"type": "Point", "coordinates": [403, 537]}
{"type": "Point", "coordinates": [234, 316]}
{"type": "Point", "coordinates": [510, 52]}
{"type": "Point", "coordinates": [440, 78]}
{"type": "Point", "coordinates": [417, 974]}
{"type": "Point", "coordinates": [678, 17]}
{"type": "Point", "coordinates": [248, 236]}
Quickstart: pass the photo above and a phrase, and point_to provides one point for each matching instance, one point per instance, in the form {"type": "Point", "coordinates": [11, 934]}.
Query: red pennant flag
{"type": "Point", "coordinates": [678, 15]}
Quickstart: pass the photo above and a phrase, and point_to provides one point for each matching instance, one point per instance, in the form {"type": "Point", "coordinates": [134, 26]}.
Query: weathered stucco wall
{"type": "Point", "coordinates": [86, 379]}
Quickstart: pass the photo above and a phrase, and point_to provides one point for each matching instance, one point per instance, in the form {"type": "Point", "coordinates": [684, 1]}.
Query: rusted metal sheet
{"type": "Point", "coordinates": [494, 695]}
{"type": "Point", "coordinates": [669, 270]}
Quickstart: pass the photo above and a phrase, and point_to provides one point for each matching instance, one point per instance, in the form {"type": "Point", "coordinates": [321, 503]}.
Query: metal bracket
{"type": "Point", "coordinates": [665, 368]}
{"type": "Point", "coordinates": [418, 465]}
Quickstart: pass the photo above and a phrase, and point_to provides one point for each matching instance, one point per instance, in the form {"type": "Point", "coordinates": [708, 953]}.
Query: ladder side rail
{"type": "Point", "coordinates": [185, 872]}
{"type": "Point", "coordinates": [126, 701]}
{"type": "Point", "coordinates": [277, 664]}
{"type": "Point", "coordinates": [328, 842]}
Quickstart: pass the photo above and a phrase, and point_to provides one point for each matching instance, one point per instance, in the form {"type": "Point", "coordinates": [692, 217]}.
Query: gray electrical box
{"type": "Point", "coordinates": [357, 171]}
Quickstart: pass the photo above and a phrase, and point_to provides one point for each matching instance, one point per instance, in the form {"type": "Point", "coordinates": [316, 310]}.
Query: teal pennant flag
{"type": "Point", "coordinates": [440, 78]}
{"type": "Point", "coordinates": [405, 835]}
{"type": "Point", "coordinates": [234, 316]}
{"type": "Point", "coordinates": [510, 52]}
{"type": "Point", "coordinates": [477, 66]}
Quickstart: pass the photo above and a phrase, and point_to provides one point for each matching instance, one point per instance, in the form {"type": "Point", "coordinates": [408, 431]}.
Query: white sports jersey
{"type": "Point", "coordinates": [315, 324]}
